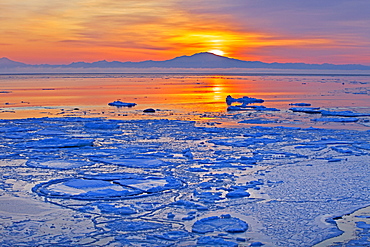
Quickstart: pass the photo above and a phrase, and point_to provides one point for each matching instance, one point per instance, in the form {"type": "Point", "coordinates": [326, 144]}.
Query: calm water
{"type": "Point", "coordinates": [174, 94]}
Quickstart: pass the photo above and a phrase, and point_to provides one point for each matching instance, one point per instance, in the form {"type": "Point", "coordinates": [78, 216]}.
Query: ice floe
{"type": "Point", "coordinates": [58, 143]}
{"type": "Point", "coordinates": [106, 187]}
{"type": "Point", "coordinates": [300, 104]}
{"type": "Point", "coordinates": [342, 120]}
{"type": "Point", "coordinates": [121, 104]}
{"type": "Point", "coordinates": [223, 223]}
{"type": "Point", "coordinates": [137, 163]}
{"type": "Point", "coordinates": [311, 110]}
{"type": "Point", "coordinates": [149, 110]}
{"type": "Point", "coordinates": [172, 182]}
{"type": "Point", "coordinates": [57, 164]}
{"type": "Point", "coordinates": [243, 100]}
{"type": "Point", "coordinates": [249, 108]}
{"type": "Point", "coordinates": [344, 114]}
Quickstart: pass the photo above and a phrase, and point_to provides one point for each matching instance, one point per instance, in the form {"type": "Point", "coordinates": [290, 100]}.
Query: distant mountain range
{"type": "Point", "coordinates": [203, 60]}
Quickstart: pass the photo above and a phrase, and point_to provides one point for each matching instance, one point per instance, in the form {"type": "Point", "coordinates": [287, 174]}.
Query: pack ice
{"type": "Point", "coordinates": [92, 181]}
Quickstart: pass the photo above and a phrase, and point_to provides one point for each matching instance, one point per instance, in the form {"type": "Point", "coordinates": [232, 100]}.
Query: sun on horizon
{"type": "Point", "coordinates": [217, 52]}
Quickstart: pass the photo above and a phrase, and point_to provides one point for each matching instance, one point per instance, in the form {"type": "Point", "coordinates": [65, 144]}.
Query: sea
{"type": "Point", "coordinates": [181, 96]}
{"type": "Point", "coordinates": [291, 169]}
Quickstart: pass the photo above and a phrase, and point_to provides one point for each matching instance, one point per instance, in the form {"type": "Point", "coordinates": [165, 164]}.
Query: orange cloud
{"type": "Point", "coordinates": [41, 31]}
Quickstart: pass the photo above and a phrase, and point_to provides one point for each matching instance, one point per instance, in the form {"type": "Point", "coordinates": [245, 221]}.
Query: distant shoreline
{"type": "Point", "coordinates": [244, 73]}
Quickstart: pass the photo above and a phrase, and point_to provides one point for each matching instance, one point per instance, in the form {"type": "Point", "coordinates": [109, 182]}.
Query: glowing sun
{"type": "Point", "coordinates": [217, 52]}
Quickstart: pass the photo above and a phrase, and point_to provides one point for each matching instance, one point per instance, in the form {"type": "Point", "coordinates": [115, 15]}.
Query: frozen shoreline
{"type": "Point", "coordinates": [80, 175]}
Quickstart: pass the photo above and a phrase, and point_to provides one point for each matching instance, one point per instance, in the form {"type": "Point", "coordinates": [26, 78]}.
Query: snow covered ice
{"type": "Point", "coordinates": [93, 181]}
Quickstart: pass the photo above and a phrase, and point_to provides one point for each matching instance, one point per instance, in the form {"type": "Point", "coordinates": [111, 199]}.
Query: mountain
{"type": "Point", "coordinates": [203, 60]}
{"type": "Point", "coordinates": [7, 63]}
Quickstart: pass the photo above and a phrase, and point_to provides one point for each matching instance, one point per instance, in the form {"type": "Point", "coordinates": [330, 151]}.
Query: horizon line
{"type": "Point", "coordinates": [205, 52]}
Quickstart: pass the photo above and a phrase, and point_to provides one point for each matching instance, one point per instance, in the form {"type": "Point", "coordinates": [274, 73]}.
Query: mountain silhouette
{"type": "Point", "coordinates": [7, 63]}
{"type": "Point", "coordinates": [203, 60]}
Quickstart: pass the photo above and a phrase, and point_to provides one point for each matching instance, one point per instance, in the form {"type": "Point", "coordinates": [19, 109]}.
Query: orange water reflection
{"type": "Point", "coordinates": [28, 95]}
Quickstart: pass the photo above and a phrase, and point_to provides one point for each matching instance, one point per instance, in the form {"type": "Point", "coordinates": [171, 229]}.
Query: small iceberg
{"type": "Point", "coordinates": [311, 110]}
{"type": "Point", "coordinates": [243, 100]}
{"type": "Point", "coordinates": [342, 120]}
{"type": "Point", "coordinates": [344, 114]}
{"type": "Point", "coordinates": [247, 108]}
{"type": "Point", "coordinates": [121, 104]}
{"type": "Point", "coordinates": [149, 110]}
{"type": "Point", "coordinates": [300, 104]}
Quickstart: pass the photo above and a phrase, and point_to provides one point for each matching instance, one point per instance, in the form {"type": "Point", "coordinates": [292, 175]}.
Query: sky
{"type": "Point", "coordinates": [61, 32]}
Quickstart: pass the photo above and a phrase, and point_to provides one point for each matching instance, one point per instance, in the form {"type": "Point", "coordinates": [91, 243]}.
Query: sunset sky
{"type": "Point", "coordinates": [61, 32]}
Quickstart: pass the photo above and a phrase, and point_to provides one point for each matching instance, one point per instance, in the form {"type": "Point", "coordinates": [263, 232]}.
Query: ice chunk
{"type": "Point", "coordinates": [108, 187]}
{"type": "Point", "coordinates": [334, 159]}
{"type": "Point", "coordinates": [311, 110]}
{"type": "Point", "coordinates": [344, 120]}
{"type": "Point", "coordinates": [133, 226]}
{"type": "Point", "coordinates": [365, 146]}
{"type": "Point", "coordinates": [151, 184]}
{"type": "Point", "coordinates": [59, 143]}
{"type": "Point", "coordinates": [257, 244]}
{"type": "Point", "coordinates": [188, 154]}
{"type": "Point", "coordinates": [197, 169]}
{"type": "Point", "coordinates": [300, 104]}
{"type": "Point", "coordinates": [83, 189]}
{"type": "Point", "coordinates": [171, 215]}
{"type": "Point", "coordinates": [107, 208]}
{"type": "Point", "coordinates": [215, 242]}
{"type": "Point", "coordinates": [208, 197]}
{"type": "Point", "coordinates": [363, 225]}
{"type": "Point", "coordinates": [189, 217]}
{"type": "Point", "coordinates": [189, 205]}
{"type": "Point", "coordinates": [257, 121]}
{"type": "Point", "coordinates": [47, 132]}
{"type": "Point", "coordinates": [225, 223]}
{"type": "Point", "coordinates": [237, 194]}
{"type": "Point", "coordinates": [248, 108]}
{"type": "Point", "coordinates": [243, 100]}
{"type": "Point", "coordinates": [57, 164]}
{"type": "Point", "coordinates": [205, 185]}
{"type": "Point", "coordinates": [149, 110]}
{"type": "Point", "coordinates": [102, 126]}
{"type": "Point", "coordinates": [344, 114]}
{"type": "Point", "coordinates": [173, 235]}
{"type": "Point", "coordinates": [121, 104]}
{"type": "Point", "coordinates": [134, 163]}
